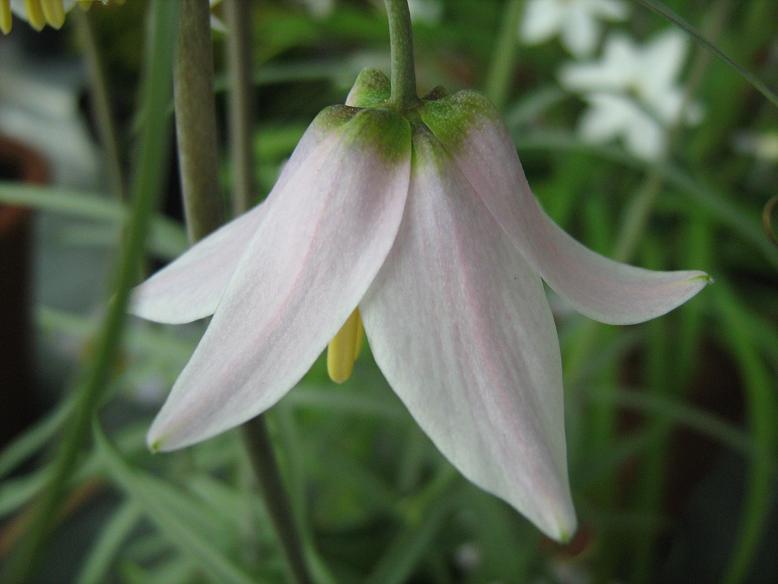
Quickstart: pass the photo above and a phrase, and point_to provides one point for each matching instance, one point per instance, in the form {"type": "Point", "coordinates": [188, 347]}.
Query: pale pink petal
{"type": "Point", "coordinates": [600, 288]}
{"type": "Point", "coordinates": [324, 238]}
{"type": "Point", "coordinates": [190, 287]}
{"type": "Point", "coordinates": [459, 325]}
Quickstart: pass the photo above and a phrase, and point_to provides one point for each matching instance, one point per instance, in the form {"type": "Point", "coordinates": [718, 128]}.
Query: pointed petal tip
{"type": "Point", "coordinates": [566, 530]}
{"type": "Point", "coordinates": [154, 446]}
{"type": "Point", "coordinates": [559, 521]}
{"type": "Point", "coordinates": [703, 278]}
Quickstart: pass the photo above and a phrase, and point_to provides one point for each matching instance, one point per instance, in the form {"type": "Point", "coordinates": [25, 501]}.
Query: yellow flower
{"type": "Point", "coordinates": [39, 13]}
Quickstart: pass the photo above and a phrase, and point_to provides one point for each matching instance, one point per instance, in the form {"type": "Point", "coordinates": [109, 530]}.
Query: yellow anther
{"type": "Point", "coordinates": [34, 12]}
{"type": "Point", "coordinates": [344, 348]}
{"type": "Point", "coordinates": [6, 19]}
{"type": "Point", "coordinates": [54, 12]}
{"type": "Point", "coordinates": [360, 339]}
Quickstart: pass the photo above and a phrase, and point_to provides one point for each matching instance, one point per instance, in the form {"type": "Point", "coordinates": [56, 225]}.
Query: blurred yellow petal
{"type": "Point", "coordinates": [6, 19]}
{"type": "Point", "coordinates": [54, 12]}
{"type": "Point", "coordinates": [34, 13]}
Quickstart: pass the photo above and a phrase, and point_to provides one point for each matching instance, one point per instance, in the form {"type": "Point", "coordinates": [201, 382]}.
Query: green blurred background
{"type": "Point", "coordinates": [671, 424]}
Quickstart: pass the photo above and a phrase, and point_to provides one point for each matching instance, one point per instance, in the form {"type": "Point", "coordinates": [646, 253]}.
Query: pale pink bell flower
{"type": "Point", "coordinates": [425, 223]}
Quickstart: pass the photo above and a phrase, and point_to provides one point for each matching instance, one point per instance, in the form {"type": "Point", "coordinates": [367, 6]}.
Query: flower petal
{"type": "Point", "coordinates": [600, 288]}
{"type": "Point", "coordinates": [190, 287]}
{"type": "Point", "coordinates": [580, 31]}
{"type": "Point", "coordinates": [541, 21]}
{"type": "Point", "coordinates": [614, 72]}
{"type": "Point", "coordinates": [460, 326]}
{"type": "Point", "coordinates": [324, 238]}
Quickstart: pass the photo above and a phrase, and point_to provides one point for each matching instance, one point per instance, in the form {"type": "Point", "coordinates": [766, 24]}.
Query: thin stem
{"type": "Point", "coordinates": [101, 103]}
{"type": "Point", "coordinates": [260, 449]}
{"type": "Point", "coordinates": [238, 17]}
{"type": "Point", "coordinates": [197, 156]}
{"type": "Point", "coordinates": [195, 108]}
{"type": "Point", "coordinates": [93, 380]}
{"type": "Point", "coordinates": [403, 76]}
{"type": "Point", "coordinates": [504, 57]}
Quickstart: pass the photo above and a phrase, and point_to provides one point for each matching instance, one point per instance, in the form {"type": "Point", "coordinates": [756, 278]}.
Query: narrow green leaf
{"type": "Point", "coordinates": [35, 438]}
{"type": "Point", "coordinates": [689, 416]}
{"type": "Point", "coordinates": [17, 491]}
{"type": "Point", "coordinates": [762, 408]}
{"type": "Point", "coordinates": [173, 512]}
{"type": "Point", "coordinates": [98, 562]}
{"type": "Point", "coordinates": [167, 238]}
{"type": "Point", "coordinates": [701, 196]}
{"type": "Point", "coordinates": [411, 545]}
{"type": "Point", "coordinates": [666, 12]}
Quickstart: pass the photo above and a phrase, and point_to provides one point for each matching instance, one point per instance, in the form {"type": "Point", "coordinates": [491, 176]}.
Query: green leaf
{"type": "Point", "coordinates": [108, 543]}
{"type": "Point", "coordinates": [700, 196]}
{"type": "Point", "coordinates": [167, 238]}
{"type": "Point", "coordinates": [758, 384]}
{"type": "Point", "coordinates": [174, 512]}
{"type": "Point", "coordinates": [665, 11]}
{"type": "Point", "coordinates": [35, 438]}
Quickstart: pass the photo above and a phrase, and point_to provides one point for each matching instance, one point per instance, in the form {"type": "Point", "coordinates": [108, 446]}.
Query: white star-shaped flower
{"type": "Point", "coordinates": [577, 22]}
{"type": "Point", "coordinates": [633, 92]}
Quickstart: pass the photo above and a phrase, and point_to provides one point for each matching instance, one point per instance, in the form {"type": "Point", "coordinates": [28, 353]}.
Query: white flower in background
{"type": "Point", "coordinates": [633, 92]}
{"type": "Point", "coordinates": [424, 229]}
{"type": "Point", "coordinates": [320, 8]}
{"type": "Point", "coordinates": [761, 146]}
{"type": "Point", "coordinates": [576, 22]}
{"type": "Point", "coordinates": [426, 11]}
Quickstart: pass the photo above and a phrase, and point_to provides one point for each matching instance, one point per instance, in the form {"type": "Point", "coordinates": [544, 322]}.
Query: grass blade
{"type": "Point", "coordinates": [666, 12]}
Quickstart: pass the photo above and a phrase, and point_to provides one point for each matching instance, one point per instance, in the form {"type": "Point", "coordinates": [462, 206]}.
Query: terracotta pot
{"type": "Point", "coordinates": [17, 163]}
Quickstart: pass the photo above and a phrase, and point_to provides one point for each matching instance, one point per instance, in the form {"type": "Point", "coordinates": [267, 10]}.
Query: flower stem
{"type": "Point", "coordinates": [238, 17]}
{"type": "Point", "coordinates": [197, 155]}
{"type": "Point", "coordinates": [260, 450]}
{"type": "Point", "coordinates": [93, 379]}
{"type": "Point", "coordinates": [403, 76]}
{"type": "Point", "coordinates": [504, 57]}
{"type": "Point", "coordinates": [101, 103]}
{"type": "Point", "coordinates": [195, 108]}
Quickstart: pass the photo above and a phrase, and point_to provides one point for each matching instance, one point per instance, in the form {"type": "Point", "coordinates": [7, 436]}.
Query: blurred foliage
{"type": "Point", "coordinates": [671, 424]}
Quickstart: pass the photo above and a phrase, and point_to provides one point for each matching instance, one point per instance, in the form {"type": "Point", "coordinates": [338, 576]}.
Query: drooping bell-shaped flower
{"type": "Point", "coordinates": [423, 227]}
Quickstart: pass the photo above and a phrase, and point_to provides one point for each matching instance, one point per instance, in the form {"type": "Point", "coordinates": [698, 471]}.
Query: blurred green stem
{"type": "Point", "coordinates": [504, 57]}
{"type": "Point", "coordinates": [238, 17]}
{"type": "Point", "coordinates": [260, 449]}
{"type": "Point", "coordinates": [198, 162]}
{"type": "Point", "coordinates": [401, 42]}
{"type": "Point", "coordinates": [198, 157]}
{"type": "Point", "coordinates": [101, 103]}
{"type": "Point", "coordinates": [94, 378]}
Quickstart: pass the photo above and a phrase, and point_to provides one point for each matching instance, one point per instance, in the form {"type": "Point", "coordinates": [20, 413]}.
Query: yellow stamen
{"type": "Point", "coordinates": [6, 19]}
{"type": "Point", "coordinates": [54, 12]}
{"type": "Point", "coordinates": [344, 348]}
{"type": "Point", "coordinates": [85, 4]}
{"type": "Point", "coordinates": [34, 14]}
{"type": "Point", "coordinates": [360, 340]}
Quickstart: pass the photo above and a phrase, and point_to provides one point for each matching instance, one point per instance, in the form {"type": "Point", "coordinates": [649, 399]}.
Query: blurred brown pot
{"type": "Point", "coordinates": [23, 164]}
